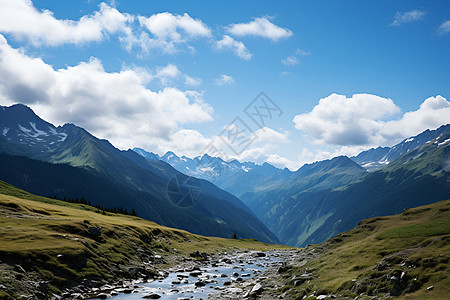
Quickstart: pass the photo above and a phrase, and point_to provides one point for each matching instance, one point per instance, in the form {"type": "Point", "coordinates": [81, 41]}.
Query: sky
{"type": "Point", "coordinates": [287, 83]}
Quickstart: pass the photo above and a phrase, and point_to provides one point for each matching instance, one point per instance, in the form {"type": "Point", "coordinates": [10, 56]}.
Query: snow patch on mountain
{"type": "Point", "coordinates": [38, 132]}
{"type": "Point", "coordinates": [63, 136]}
{"type": "Point", "coordinates": [444, 142]}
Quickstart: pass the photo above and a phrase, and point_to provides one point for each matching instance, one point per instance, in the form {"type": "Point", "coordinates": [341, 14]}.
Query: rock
{"type": "Point", "coordinates": [176, 282]}
{"type": "Point", "coordinates": [196, 254]}
{"type": "Point", "coordinates": [92, 283]}
{"type": "Point", "coordinates": [18, 268]}
{"type": "Point", "coordinates": [152, 296]}
{"type": "Point", "coordinates": [227, 283]}
{"type": "Point", "coordinates": [402, 275]}
{"type": "Point", "coordinates": [430, 288]}
{"type": "Point", "coordinates": [257, 289]}
{"type": "Point", "coordinates": [200, 284]}
{"type": "Point", "coordinates": [223, 275]}
{"type": "Point", "coordinates": [321, 297]}
{"type": "Point", "coordinates": [298, 282]}
{"type": "Point", "coordinates": [78, 296]}
{"type": "Point", "coordinates": [226, 260]}
{"type": "Point", "coordinates": [260, 254]}
{"type": "Point", "coordinates": [43, 286]}
{"type": "Point", "coordinates": [195, 274]}
{"type": "Point", "coordinates": [95, 231]}
{"type": "Point", "coordinates": [283, 269]}
{"type": "Point", "coordinates": [102, 296]}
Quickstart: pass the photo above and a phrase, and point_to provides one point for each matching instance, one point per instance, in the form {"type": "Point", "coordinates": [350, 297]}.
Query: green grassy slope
{"type": "Point", "coordinates": [370, 259]}
{"type": "Point", "coordinates": [53, 241]}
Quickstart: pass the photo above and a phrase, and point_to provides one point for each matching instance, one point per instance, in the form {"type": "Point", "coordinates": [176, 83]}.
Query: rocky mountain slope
{"type": "Point", "coordinates": [74, 160]}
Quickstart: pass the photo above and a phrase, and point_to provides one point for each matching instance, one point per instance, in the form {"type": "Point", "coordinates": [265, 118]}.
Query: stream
{"type": "Point", "coordinates": [202, 282]}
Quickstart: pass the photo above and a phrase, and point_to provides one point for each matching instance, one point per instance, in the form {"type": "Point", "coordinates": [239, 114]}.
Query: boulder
{"type": "Point", "coordinates": [152, 296]}
{"type": "Point", "coordinates": [200, 284]}
{"type": "Point", "coordinates": [95, 231]}
{"type": "Point", "coordinates": [257, 289]}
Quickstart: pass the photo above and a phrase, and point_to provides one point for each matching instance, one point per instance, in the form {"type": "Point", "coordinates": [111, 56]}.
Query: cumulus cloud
{"type": "Point", "coordinates": [271, 136]}
{"type": "Point", "coordinates": [368, 120]}
{"type": "Point", "coordinates": [260, 27]}
{"type": "Point", "coordinates": [21, 19]}
{"type": "Point", "coordinates": [224, 80]}
{"type": "Point", "coordinates": [164, 32]}
{"type": "Point", "coordinates": [444, 27]}
{"type": "Point", "coordinates": [130, 114]}
{"type": "Point", "coordinates": [432, 113]}
{"type": "Point", "coordinates": [407, 17]}
{"type": "Point", "coordinates": [169, 32]}
{"type": "Point", "coordinates": [185, 142]}
{"type": "Point", "coordinates": [237, 47]}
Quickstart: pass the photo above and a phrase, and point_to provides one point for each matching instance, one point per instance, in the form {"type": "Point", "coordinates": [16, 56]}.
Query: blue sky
{"type": "Point", "coordinates": [173, 75]}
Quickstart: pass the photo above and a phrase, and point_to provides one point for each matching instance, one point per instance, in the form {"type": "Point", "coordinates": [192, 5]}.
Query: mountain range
{"type": "Point", "coordinates": [316, 202]}
{"type": "Point", "coordinates": [213, 197]}
{"type": "Point", "coordinates": [67, 161]}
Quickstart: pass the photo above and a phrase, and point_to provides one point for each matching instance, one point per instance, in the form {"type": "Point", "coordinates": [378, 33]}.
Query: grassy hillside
{"type": "Point", "coordinates": [62, 180]}
{"type": "Point", "coordinates": [64, 243]}
{"type": "Point", "coordinates": [401, 255]}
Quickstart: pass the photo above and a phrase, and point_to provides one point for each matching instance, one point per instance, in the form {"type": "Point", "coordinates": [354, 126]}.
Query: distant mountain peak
{"type": "Point", "coordinates": [377, 158]}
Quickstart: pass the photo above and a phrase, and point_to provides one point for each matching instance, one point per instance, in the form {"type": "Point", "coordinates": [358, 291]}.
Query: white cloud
{"type": "Point", "coordinates": [293, 60]}
{"type": "Point", "coordinates": [130, 114]}
{"type": "Point", "coordinates": [263, 149]}
{"type": "Point", "coordinates": [290, 61]}
{"type": "Point", "coordinates": [407, 17]}
{"type": "Point", "coordinates": [271, 136]}
{"type": "Point", "coordinates": [192, 81]}
{"type": "Point", "coordinates": [237, 47]}
{"type": "Point", "coordinates": [260, 27]}
{"type": "Point", "coordinates": [169, 75]}
{"type": "Point", "coordinates": [21, 19]}
{"type": "Point", "coordinates": [367, 120]}
{"type": "Point", "coordinates": [169, 32]}
{"type": "Point", "coordinates": [186, 142]}
{"type": "Point", "coordinates": [260, 155]}
{"type": "Point", "coordinates": [432, 113]}
{"type": "Point", "coordinates": [169, 27]}
{"type": "Point", "coordinates": [224, 80]}
{"type": "Point", "coordinates": [444, 27]}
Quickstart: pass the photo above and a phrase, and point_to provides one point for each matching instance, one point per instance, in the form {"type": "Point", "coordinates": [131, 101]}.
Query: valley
{"type": "Point", "coordinates": [50, 248]}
